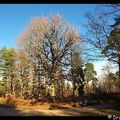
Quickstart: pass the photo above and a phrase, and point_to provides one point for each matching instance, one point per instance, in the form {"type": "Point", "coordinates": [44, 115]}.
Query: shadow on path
{"type": "Point", "coordinates": [6, 110]}
{"type": "Point", "coordinates": [99, 110]}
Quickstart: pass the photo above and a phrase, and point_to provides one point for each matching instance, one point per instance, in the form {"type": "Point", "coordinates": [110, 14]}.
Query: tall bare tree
{"type": "Point", "coordinates": [47, 42]}
{"type": "Point", "coordinates": [100, 33]}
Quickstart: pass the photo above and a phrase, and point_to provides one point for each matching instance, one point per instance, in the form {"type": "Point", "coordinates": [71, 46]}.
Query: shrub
{"type": "Point", "coordinates": [10, 101]}
{"type": "Point", "coordinates": [2, 101]}
{"type": "Point", "coordinates": [33, 102]}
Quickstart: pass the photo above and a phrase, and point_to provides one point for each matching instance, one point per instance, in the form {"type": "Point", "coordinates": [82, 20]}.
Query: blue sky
{"type": "Point", "coordinates": [14, 17]}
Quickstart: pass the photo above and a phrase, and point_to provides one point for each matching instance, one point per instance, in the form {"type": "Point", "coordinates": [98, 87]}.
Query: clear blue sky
{"type": "Point", "coordinates": [14, 17]}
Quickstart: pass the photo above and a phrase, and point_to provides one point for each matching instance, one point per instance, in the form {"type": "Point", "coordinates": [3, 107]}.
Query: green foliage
{"type": "Point", "coordinates": [2, 87]}
{"type": "Point", "coordinates": [77, 73]}
{"type": "Point", "coordinates": [112, 49]}
{"type": "Point", "coordinates": [90, 73]}
{"type": "Point", "coordinates": [7, 64]}
{"type": "Point", "coordinates": [113, 46]}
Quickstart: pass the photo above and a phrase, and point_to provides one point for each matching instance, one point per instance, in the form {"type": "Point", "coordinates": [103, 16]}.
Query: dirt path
{"type": "Point", "coordinates": [39, 112]}
{"type": "Point", "coordinates": [71, 111]}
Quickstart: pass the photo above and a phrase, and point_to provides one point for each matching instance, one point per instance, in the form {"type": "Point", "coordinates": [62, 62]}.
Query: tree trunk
{"type": "Point", "coordinates": [119, 67]}
{"type": "Point", "coordinates": [21, 90]}
{"type": "Point", "coordinates": [11, 85]}
{"type": "Point", "coordinates": [73, 89]}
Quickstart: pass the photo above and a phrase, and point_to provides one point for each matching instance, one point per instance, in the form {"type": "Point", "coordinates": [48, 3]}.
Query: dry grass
{"type": "Point", "coordinates": [11, 101]}
{"type": "Point", "coordinates": [31, 104]}
{"type": "Point", "coordinates": [22, 102]}
{"type": "Point", "coordinates": [2, 101]}
{"type": "Point", "coordinates": [7, 102]}
{"type": "Point", "coordinates": [40, 106]}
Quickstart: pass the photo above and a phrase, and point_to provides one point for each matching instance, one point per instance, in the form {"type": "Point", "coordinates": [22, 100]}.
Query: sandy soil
{"type": "Point", "coordinates": [103, 110]}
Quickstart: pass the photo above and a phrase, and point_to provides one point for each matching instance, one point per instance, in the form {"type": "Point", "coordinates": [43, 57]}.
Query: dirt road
{"type": "Point", "coordinates": [71, 111]}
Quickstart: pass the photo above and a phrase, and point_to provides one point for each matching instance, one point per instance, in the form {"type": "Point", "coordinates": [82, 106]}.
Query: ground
{"type": "Point", "coordinates": [67, 110]}
{"type": "Point", "coordinates": [20, 107]}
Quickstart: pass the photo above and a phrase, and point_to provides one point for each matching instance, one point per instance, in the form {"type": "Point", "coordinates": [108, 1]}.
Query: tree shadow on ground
{"type": "Point", "coordinates": [77, 112]}
{"type": "Point", "coordinates": [89, 112]}
{"type": "Point", "coordinates": [107, 106]}
{"type": "Point", "coordinates": [94, 110]}
{"type": "Point", "coordinates": [7, 110]}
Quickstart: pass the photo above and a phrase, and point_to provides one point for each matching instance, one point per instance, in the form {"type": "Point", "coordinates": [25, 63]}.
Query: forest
{"type": "Point", "coordinates": [53, 62]}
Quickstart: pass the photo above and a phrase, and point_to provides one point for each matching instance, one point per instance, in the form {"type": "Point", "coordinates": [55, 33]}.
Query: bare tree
{"type": "Point", "coordinates": [22, 69]}
{"type": "Point", "coordinates": [47, 42]}
{"type": "Point", "coordinates": [99, 33]}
